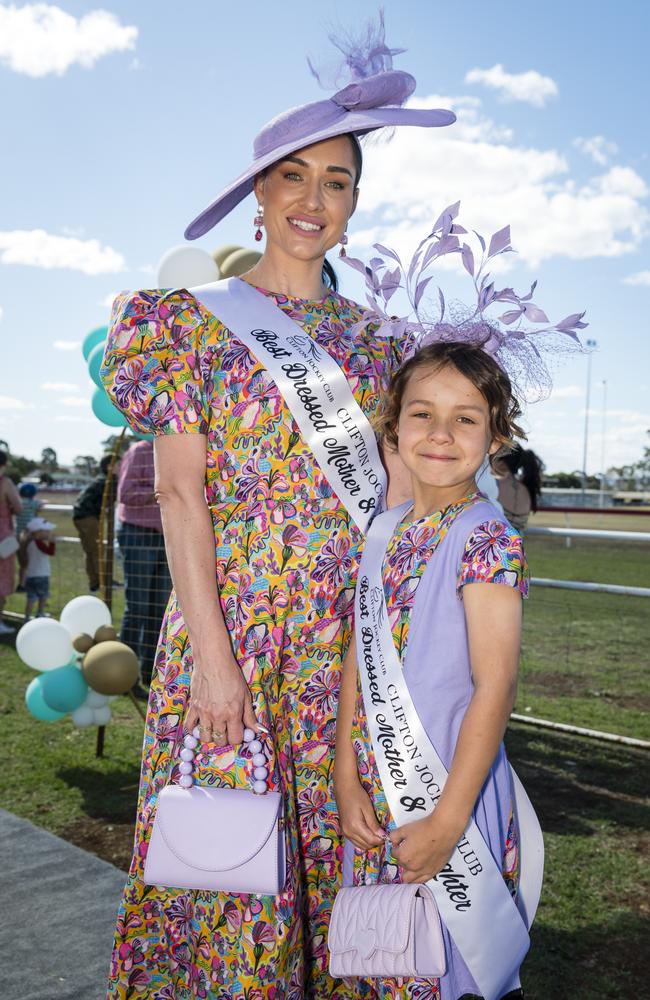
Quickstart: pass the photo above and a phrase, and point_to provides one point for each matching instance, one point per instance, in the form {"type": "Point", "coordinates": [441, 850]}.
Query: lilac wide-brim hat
{"type": "Point", "coordinates": [363, 106]}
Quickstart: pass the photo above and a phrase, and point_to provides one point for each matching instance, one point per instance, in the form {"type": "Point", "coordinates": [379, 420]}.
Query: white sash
{"type": "Point", "coordinates": [314, 388]}
{"type": "Point", "coordinates": [474, 902]}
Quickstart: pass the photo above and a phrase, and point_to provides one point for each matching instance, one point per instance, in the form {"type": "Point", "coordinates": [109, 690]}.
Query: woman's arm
{"type": "Point", "coordinates": [358, 821]}
{"type": "Point", "coordinates": [12, 496]}
{"type": "Point", "coordinates": [219, 696]}
{"type": "Point", "coordinates": [493, 615]}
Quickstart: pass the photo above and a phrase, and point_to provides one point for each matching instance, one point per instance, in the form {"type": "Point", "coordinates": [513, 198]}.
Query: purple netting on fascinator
{"type": "Point", "coordinates": [522, 339]}
{"type": "Point", "coordinates": [364, 54]}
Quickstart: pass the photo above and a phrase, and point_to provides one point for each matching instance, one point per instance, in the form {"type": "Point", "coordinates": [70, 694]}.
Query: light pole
{"type": "Point", "coordinates": [602, 444]}
{"type": "Point", "coordinates": [591, 346]}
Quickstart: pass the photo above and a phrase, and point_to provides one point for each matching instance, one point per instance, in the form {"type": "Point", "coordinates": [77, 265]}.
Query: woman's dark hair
{"type": "Point", "coordinates": [329, 274]}
{"type": "Point", "coordinates": [105, 463]}
{"type": "Point", "coordinates": [479, 368]}
{"type": "Point", "coordinates": [3, 456]}
{"type": "Point", "coordinates": [524, 463]}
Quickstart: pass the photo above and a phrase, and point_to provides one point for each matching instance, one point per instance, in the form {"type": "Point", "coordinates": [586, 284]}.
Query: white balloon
{"type": "Point", "coordinates": [44, 644]}
{"type": "Point", "coordinates": [83, 716]}
{"type": "Point", "coordinates": [96, 700]}
{"type": "Point", "coordinates": [85, 614]}
{"type": "Point", "coordinates": [185, 266]}
{"type": "Point", "coordinates": [102, 716]}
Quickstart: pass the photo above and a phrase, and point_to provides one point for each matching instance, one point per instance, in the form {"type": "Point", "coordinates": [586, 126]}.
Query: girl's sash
{"type": "Point", "coordinates": [314, 388]}
{"type": "Point", "coordinates": [488, 927]}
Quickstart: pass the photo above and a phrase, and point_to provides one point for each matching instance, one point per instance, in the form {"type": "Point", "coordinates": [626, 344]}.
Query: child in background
{"type": "Point", "coordinates": [30, 509]}
{"type": "Point", "coordinates": [449, 408]}
{"type": "Point", "coordinates": [39, 547]}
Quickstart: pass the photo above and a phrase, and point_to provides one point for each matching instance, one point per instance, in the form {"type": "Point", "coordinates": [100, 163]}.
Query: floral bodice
{"type": "Point", "coordinates": [493, 554]}
{"type": "Point", "coordinates": [172, 367]}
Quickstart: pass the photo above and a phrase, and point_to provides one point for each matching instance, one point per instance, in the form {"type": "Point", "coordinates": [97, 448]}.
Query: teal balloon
{"type": "Point", "coordinates": [36, 703]}
{"type": "Point", "coordinates": [105, 411]}
{"type": "Point", "coordinates": [95, 359]}
{"type": "Point", "coordinates": [92, 339]}
{"type": "Point", "coordinates": [64, 689]}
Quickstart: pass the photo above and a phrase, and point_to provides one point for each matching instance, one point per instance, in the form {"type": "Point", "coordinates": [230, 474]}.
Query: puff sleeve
{"type": "Point", "coordinates": [156, 366]}
{"type": "Point", "coordinates": [494, 553]}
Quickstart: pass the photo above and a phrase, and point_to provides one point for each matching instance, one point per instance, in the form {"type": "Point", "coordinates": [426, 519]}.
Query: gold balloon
{"type": "Point", "coordinates": [220, 254]}
{"type": "Point", "coordinates": [239, 262]}
{"type": "Point", "coordinates": [105, 632]}
{"type": "Point", "coordinates": [83, 642]}
{"type": "Point", "coordinates": [110, 667]}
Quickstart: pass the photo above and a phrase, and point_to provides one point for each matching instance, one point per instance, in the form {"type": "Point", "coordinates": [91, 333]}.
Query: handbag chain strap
{"type": "Point", "coordinates": [255, 747]}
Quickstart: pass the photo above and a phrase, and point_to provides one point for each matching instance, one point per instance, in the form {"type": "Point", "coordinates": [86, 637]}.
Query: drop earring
{"type": "Point", "coordinates": [343, 241]}
{"type": "Point", "coordinates": [258, 221]}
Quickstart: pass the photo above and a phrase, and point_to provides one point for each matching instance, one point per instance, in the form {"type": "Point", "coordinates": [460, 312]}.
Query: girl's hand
{"type": "Point", "coordinates": [358, 821]}
{"type": "Point", "coordinates": [220, 704]}
{"type": "Point", "coordinates": [424, 847]}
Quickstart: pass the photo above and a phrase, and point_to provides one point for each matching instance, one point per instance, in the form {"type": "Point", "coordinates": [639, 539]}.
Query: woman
{"type": "Point", "coordinates": [9, 506]}
{"type": "Point", "coordinates": [262, 547]}
{"type": "Point", "coordinates": [520, 484]}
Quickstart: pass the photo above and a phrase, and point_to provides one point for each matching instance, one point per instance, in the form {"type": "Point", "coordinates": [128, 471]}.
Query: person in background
{"type": "Point", "coordinates": [9, 506]}
{"type": "Point", "coordinates": [39, 547]}
{"type": "Point", "coordinates": [146, 577]}
{"type": "Point", "coordinates": [520, 484]}
{"type": "Point", "coordinates": [85, 516]}
{"type": "Point", "coordinates": [30, 508]}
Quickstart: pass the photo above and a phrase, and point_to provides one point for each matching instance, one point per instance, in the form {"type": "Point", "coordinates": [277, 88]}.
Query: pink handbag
{"type": "Point", "coordinates": [217, 839]}
{"type": "Point", "coordinates": [386, 930]}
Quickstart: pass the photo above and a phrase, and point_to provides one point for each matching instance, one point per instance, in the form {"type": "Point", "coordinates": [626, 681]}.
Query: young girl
{"type": "Point", "coordinates": [453, 574]}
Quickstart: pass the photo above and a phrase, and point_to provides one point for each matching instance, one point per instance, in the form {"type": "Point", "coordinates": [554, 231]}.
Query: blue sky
{"type": "Point", "coordinates": [119, 127]}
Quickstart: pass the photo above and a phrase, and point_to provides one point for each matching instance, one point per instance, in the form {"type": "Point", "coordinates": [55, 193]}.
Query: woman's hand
{"type": "Point", "coordinates": [424, 847]}
{"type": "Point", "coordinates": [358, 821]}
{"type": "Point", "coordinates": [220, 704]}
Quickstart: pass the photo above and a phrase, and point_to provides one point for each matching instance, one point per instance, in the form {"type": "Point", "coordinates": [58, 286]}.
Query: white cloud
{"type": "Point", "coordinates": [60, 386]}
{"type": "Point", "coordinates": [36, 248]}
{"type": "Point", "coordinates": [597, 147]}
{"type": "Point", "coordinates": [412, 177]}
{"type": "Point", "coordinates": [38, 39]}
{"type": "Point", "coordinates": [1, 312]}
{"type": "Point", "coordinates": [74, 401]}
{"type": "Point", "coordinates": [68, 419]}
{"type": "Point", "coordinates": [568, 392]}
{"type": "Point", "coordinates": [66, 345]}
{"type": "Point", "coordinates": [107, 301]}
{"type": "Point", "coordinates": [639, 278]}
{"type": "Point", "coordinates": [10, 403]}
{"type": "Point", "coordinates": [531, 86]}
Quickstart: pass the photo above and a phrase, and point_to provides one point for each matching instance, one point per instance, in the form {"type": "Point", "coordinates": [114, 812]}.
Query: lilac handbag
{"type": "Point", "coordinates": [386, 930]}
{"type": "Point", "coordinates": [217, 839]}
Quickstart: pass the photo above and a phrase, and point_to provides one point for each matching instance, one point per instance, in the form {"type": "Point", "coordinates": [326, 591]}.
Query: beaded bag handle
{"type": "Point", "coordinates": [259, 760]}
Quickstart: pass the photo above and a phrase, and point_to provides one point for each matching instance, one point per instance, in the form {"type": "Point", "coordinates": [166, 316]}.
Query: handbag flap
{"type": "Point", "coordinates": [216, 829]}
{"type": "Point", "coordinates": [371, 918]}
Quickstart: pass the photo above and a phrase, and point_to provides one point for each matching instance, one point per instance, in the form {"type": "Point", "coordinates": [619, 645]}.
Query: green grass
{"type": "Point", "coordinates": [585, 656]}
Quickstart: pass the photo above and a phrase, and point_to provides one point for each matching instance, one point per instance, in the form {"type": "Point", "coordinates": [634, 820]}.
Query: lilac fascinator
{"type": "Point", "coordinates": [522, 340]}
{"type": "Point", "coordinates": [372, 99]}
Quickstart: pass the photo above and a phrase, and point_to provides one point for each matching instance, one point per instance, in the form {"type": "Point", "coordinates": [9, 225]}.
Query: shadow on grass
{"type": "Point", "coordinates": [110, 795]}
{"type": "Point", "coordinates": [574, 783]}
{"type": "Point", "coordinates": [605, 960]}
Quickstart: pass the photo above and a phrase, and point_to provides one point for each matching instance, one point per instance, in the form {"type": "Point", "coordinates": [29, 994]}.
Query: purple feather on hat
{"type": "Point", "coordinates": [516, 339]}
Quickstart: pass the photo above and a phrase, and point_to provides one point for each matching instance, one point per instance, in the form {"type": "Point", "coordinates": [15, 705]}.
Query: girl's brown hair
{"type": "Point", "coordinates": [479, 368]}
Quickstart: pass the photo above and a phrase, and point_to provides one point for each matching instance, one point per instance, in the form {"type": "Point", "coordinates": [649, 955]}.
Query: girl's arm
{"type": "Point", "coordinates": [219, 695]}
{"type": "Point", "coordinates": [493, 615]}
{"type": "Point", "coordinates": [358, 821]}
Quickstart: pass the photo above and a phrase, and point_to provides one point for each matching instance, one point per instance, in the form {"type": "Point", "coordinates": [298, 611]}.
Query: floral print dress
{"type": "Point", "coordinates": [493, 553]}
{"type": "Point", "coordinates": [286, 555]}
